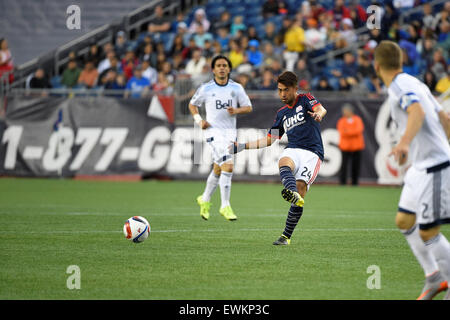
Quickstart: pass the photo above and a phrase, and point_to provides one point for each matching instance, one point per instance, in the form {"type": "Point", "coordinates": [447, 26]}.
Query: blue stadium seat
{"type": "Point", "coordinates": [236, 10]}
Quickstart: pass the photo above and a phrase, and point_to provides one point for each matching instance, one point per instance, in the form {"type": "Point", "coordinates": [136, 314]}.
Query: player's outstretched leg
{"type": "Point", "coordinates": [294, 215]}
{"type": "Point", "coordinates": [434, 284]}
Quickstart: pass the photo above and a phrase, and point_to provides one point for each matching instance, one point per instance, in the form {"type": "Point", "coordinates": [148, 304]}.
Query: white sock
{"type": "Point", "coordinates": [225, 188]}
{"type": "Point", "coordinates": [441, 250]}
{"type": "Point", "coordinates": [211, 185]}
{"type": "Point", "coordinates": [423, 255]}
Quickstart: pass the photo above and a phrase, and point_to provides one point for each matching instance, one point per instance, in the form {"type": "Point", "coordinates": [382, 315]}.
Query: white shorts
{"type": "Point", "coordinates": [427, 195]}
{"type": "Point", "coordinates": [307, 164]}
{"type": "Point", "coordinates": [219, 149]}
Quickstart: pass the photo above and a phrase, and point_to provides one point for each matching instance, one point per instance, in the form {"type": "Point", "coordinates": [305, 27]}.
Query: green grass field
{"type": "Point", "coordinates": [48, 225]}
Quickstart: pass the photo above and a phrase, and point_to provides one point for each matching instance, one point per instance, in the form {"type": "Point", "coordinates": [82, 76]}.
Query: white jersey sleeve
{"type": "Point", "coordinates": [243, 99]}
{"type": "Point", "coordinates": [430, 146]}
{"type": "Point", "coordinates": [198, 99]}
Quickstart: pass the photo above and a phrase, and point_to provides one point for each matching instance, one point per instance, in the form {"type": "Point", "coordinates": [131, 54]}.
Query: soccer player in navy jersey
{"type": "Point", "coordinates": [300, 161]}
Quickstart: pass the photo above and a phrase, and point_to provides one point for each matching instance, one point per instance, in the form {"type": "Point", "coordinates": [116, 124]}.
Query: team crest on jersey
{"type": "Point", "coordinates": [299, 108]}
{"type": "Point", "coordinates": [233, 94]}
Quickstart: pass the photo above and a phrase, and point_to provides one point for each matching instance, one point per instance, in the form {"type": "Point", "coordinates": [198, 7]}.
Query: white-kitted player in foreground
{"type": "Point", "coordinates": [223, 99]}
{"type": "Point", "coordinates": [425, 199]}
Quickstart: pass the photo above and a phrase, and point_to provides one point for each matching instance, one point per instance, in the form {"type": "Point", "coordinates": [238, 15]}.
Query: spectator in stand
{"type": "Point", "coordinates": [348, 69]}
{"type": "Point", "coordinates": [89, 75]}
{"type": "Point", "coordinates": [121, 44]}
{"type": "Point", "coordinates": [70, 75]}
{"type": "Point", "coordinates": [324, 85]}
{"type": "Point", "coordinates": [178, 64]}
{"type": "Point", "coordinates": [188, 51]}
{"type": "Point", "coordinates": [106, 63]}
{"type": "Point", "coordinates": [245, 66]}
{"type": "Point", "coordinates": [199, 19]}
{"type": "Point", "coordinates": [315, 40]}
{"type": "Point", "coordinates": [357, 14]}
{"type": "Point", "coordinates": [267, 81]}
{"type": "Point", "coordinates": [315, 10]}
{"type": "Point", "coordinates": [162, 86]}
{"type": "Point", "coordinates": [366, 75]}
{"type": "Point", "coordinates": [389, 17]}
{"type": "Point", "coordinates": [302, 72]}
{"type": "Point", "coordinates": [339, 12]}
{"type": "Point", "coordinates": [201, 36]}
{"type": "Point", "coordinates": [443, 84]}
{"type": "Point", "coordinates": [93, 54]}
{"type": "Point", "coordinates": [442, 16]}
{"type": "Point", "coordinates": [108, 81]}
{"type": "Point", "coordinates": [344, 85]}
{"type": "Point", "coordinates": [128, 63]}
{"type": "Point", "coordinates": [255, 56]}
{"type": "Point", "coordinates": [195, 65]}
{"type": "Point", "coordinates": [246, 81]}
{"type": "Point", "coordinates": [429, 20]}
{"type": "Point", "coordinates": [269, 55]}
{"type": "Point", "coordinates": [347, 32]}
{"type": "Point", "coordinates": [444, 38]}
{"type": "Point", "coordinates": [294, 41]}
{"type": "Point", "coordinates": [208, 50]}
{"type": "Point", "coordinates": [167, 69]}
{"type": "Point", "coordinates": [40, 80]}
{"type": "Point", "coordinates": [178, 45]}
{"type": "Point", "coordinates": [252, 34]}
{"type": "Point", "coordinates": [351, 143]}
{"type": "Point", "coordinates": [430, 80]}
{"type": "Point", "coordinates": [182, 31]}
{"type": "Point", "coordinates": [438, 64]}
{"type": "Point", "coordinates": [236, 54]}
{"type": "Point", "coordinates": [113, 66]}
{"type": "Point", "coordinates": [137, 86]}
{"type": "Point", "coordinates": [269, 32]}
{"type": "Point", "coordinates": [270, 8]}
{"type": "Point", "coordinates": [6, 60]}
{"type": "Point", "coordinates": [223, 38]}
{"type": "Point", "coordinates": [142, 44]}
{"type": "Point", "coordinates": [149, 72]}
{"type": "Point", "coordinates": [283, 10]}
{"type": "Point", "coordinates": [238, 24]}
{"type": "Point", "coordinates": [223, 22]}
{"type": "Point", "coordinates": [159, 25]}
{"type": "Point", "coordinates": [428, 47]}
{"type": "Point", "coordinates": [149, 55]}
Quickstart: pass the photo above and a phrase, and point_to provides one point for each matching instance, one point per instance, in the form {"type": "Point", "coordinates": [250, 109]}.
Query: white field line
{"type": "Point", "coordinates": [204, 230]}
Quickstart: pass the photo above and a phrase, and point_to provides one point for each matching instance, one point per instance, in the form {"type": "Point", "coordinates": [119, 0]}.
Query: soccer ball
{"type": "Point", "coordinates": [136, 229]}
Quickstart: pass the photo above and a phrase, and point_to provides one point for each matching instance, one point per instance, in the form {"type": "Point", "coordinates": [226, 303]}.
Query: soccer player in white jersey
{"type": "Point", "coordinates": [223, 100]}
{"type": "Point", "coordinates": [425, 199]}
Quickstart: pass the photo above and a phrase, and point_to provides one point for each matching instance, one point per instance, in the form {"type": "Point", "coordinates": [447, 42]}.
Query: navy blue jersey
{"type": "Point", "coordinates": [302, 130]}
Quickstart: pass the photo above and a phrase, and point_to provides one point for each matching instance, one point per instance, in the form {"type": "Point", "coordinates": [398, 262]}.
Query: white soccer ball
{"type": "Point", "coordinates": [136, 229]}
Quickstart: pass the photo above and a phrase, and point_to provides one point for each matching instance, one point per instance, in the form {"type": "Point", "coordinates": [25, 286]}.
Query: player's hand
{"type": "Point", "coordinates": [317, 116]}
{"type": "Point", "coordinates": [204, 124]}
{"type": "Point", "coordinates": [400, 153]}
{"type": "Point", "coordinates": [231, 111]}
{"type": "Point", "coordinates": [236, 147]}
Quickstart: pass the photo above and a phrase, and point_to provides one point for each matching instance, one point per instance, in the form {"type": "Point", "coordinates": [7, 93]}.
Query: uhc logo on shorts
{"type": "Point", "coordinates": [223, 105]}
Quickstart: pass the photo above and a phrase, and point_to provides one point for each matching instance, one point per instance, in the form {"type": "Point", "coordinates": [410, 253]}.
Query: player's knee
{"type": "Point", "coordinates": [405, 221]}
{"type": "Point", "coordinates": [217, 170]}
{"type": "Point", "coordinates": [427, 234]}
{"type": "Point", "coordinates": [227, 167]}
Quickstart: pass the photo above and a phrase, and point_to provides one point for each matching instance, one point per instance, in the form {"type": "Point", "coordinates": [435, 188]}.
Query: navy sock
{"type": "Point", "coordinates": [293, 217]}
{"type": "Point", "coordinates": [288, 179]}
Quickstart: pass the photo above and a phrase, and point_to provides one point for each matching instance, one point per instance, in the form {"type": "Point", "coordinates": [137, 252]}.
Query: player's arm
{"type": "Point", "coordinates": [257, 144]}
{"type": "Point", "coordinates": [416, 117]}
{"type": "Point", "coordinates": [197, 117]}
{"type": "Point", "coordinates": [444, 118]}
{"type": "Point", "coordinates": [318, 112]}
{"type": "Point", "coordinates": [240, 110]}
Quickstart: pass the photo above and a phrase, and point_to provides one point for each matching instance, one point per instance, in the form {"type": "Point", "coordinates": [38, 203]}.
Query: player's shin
{"type": "Point", "coordinates": [423, 255]}
{"type": "Point", "coordinates": [211, 184]}
{"type": "Point", "coordinates": [294, 215]}
{"type": "Point", "coordinates": [225, 188]}
{"type": "Point", "coordinates": [440, 248]}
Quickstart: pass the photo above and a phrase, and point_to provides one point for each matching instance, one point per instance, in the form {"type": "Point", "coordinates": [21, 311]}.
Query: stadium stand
{"type": "Point", "coordinates": [334, 34]}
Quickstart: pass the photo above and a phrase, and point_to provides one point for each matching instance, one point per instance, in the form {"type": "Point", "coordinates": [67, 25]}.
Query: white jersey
{"type": "Point", "coordinates": [216, 99]}
{"type": "Point", "coordinates": [430, 146]}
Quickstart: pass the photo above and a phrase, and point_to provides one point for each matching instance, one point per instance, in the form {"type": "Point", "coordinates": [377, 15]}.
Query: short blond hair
{"type": "Point", "coordinates": [388, 55]}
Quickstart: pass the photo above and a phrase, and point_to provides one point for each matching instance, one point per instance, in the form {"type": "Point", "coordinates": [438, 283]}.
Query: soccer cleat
{"type": "Point", "coordinates": [228, 213]}
{"type": "Point", "coordinates": [434, 284]}
{"type": "Point", "coordinates": [204, 207]}
{"type": "Point", "coordinates": [282, 241]}
{"type": "Point", "coordinates": [292, 197]}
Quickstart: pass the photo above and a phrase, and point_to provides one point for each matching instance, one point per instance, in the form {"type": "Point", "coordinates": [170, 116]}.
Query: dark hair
{"type": "Point", "coordinates": [288, 78]}
{"type": "Point", "coordinates": [213, 62]}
